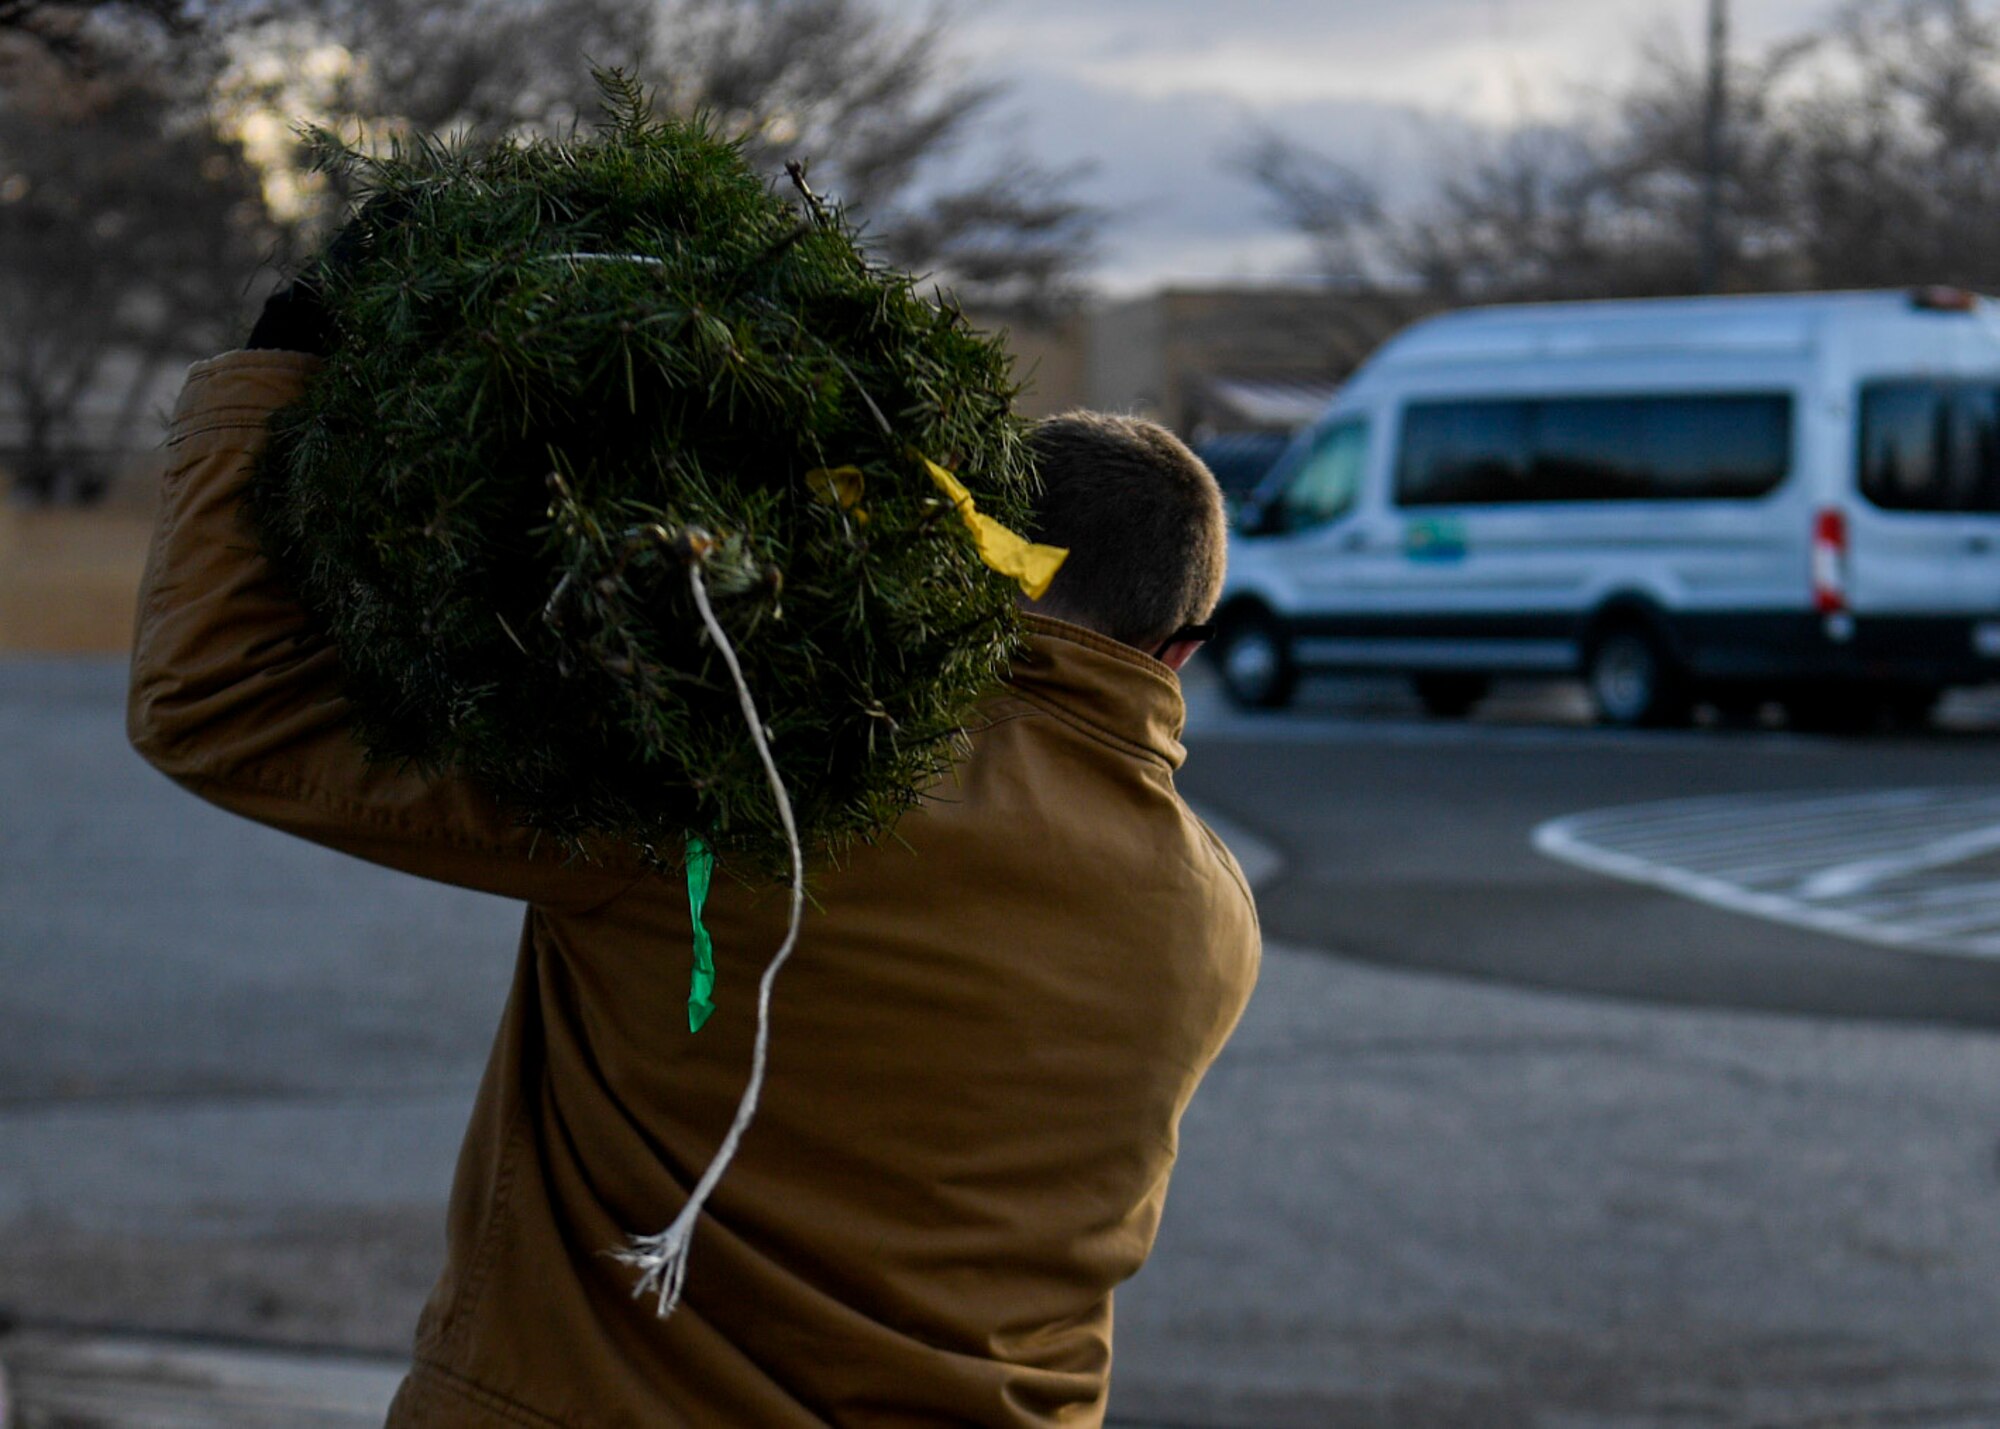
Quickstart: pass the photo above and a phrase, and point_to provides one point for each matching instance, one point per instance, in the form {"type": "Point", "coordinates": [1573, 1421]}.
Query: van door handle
{"type": "Point", "coordinates": [1354, 541]}
{"type": "Point", "coordinates": [1978, 545]}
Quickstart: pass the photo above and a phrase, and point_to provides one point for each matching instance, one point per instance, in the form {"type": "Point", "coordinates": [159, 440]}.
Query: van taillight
{"type": "Point", "coordinates": [1829, 562]}
{"type": "Point", "coordinates": [1937, 299]}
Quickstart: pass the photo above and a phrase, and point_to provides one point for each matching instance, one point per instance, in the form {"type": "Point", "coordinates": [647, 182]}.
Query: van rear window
{"type": "Point", "coordinates": [1931, 446]}
{"type": "Point", "coordinates": [1641, 448]}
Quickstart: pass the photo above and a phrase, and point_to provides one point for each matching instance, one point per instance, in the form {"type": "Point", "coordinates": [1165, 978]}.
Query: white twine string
{"type": "Point", "coordinates": [640, 258]}
{"type": "Point", "coordinates": [662, 1259]}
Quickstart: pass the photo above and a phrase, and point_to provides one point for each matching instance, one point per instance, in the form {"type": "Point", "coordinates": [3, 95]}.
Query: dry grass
{"type": "Point", "coordinates": [69, 579]}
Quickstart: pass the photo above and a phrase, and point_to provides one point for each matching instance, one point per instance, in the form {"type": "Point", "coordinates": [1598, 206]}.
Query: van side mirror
{"type": "Point", "coordinates": [1257, 518]}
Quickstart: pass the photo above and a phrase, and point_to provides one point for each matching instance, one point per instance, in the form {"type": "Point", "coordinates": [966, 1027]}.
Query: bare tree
{"type": "Point", "coordinates": [478, 68]}
{"type": "Point", "coordinates": [127, 227]}
{"type": "Point", "coordinates": [1894, 149]}
{"type": "Point", "coordinates": [1864, 155]}
{"type": "Point", "coordinates": [74, 31]}
{"type": "Point", "coordinates": [875, 103]}
{"type": "Point", "coordinates": [36, 17]}
{"type": "Point", "coordinates": [1357, 246]}
{"type": "Point", "coordinates": [878, 105]}
{"type": "Point", "coordinates": [131, 218]}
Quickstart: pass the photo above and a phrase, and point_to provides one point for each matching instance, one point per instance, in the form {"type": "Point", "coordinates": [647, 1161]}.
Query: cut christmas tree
{"type": "Point", "coordinates": [564, 373]}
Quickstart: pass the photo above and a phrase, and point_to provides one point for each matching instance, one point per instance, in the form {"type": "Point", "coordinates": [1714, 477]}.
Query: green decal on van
{"type": "Point", "coordinates": [1434, 538]}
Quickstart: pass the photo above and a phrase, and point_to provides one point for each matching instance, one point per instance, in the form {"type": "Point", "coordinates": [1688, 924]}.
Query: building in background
{"type": "Point", "coordinates": [1232, 370]}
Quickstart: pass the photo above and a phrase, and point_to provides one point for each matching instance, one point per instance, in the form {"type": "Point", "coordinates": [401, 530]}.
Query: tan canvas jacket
{"type": "Point", "coordinates": [980, 1053]}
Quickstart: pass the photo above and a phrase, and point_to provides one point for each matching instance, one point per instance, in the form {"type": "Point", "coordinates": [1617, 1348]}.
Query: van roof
{"type": "Point", "coordinates": [1765, 323]}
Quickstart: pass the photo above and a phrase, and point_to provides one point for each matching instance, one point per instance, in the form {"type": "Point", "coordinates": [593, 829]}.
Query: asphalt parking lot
{"type": "Point", "coordinates": [1531, 847]}
{"type": "Point", "coordinates": [1506, 1139]}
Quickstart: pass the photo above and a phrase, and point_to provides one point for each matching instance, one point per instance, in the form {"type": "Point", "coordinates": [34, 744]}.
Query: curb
{"type": "Point", "coordinates": [79, 1380]}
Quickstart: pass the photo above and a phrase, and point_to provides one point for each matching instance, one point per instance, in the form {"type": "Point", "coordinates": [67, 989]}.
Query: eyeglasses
{"type": "Point", "coordinates": [1186, 635]}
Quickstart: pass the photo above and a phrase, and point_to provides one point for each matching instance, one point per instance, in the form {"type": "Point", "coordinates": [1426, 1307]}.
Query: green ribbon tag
{"type": "Point", "coordinates": [701, 985]}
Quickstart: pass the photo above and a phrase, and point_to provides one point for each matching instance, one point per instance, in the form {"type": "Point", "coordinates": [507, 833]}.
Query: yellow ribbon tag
{"type": "Point", "coordinates": [838, 486]}
{"type": "Point", "coordinates": [1006, 552]}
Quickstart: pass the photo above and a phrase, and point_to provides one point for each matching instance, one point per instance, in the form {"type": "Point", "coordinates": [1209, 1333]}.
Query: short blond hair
{"type": "Point", "coordinates": [1142, 518]}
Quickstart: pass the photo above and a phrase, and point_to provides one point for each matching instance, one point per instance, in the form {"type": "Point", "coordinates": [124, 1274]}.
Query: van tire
{"type": "Point", "coordinates": [1634, 680]}
{"type": "Point", "coordinates": [1450, 696]}
{"type": "Point", "coordinates": [1253, 654]}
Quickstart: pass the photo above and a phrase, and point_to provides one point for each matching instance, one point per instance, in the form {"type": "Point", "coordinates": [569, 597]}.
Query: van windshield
{"type": "Point", "coordinates": [1666, 447]}
{"type": "Point", "coordinates": [1327, 481]}
{"type": "Point", "coordinates": [1929, 445]}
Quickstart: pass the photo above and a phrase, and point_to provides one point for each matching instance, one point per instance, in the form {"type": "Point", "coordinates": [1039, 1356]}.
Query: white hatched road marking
{"type": "Point", "coordinates": [1886, 866]}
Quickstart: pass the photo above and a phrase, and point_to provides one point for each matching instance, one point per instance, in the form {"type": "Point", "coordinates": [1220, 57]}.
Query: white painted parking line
{"type": "Point", "coordinates": [1899, 867]}
{"type": "Point", "coordinates": [1846, 879]}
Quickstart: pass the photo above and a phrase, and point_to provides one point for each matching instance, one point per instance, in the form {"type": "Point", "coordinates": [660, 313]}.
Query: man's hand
{"type": "Point", "coordinates": [295, 318]}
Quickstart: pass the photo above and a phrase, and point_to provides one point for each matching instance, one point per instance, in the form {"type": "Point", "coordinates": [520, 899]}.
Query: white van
{"type": "Point", "coordinates": [1723, 499]}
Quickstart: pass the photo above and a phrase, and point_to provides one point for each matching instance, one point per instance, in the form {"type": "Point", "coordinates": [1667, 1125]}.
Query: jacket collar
{"type": "Point", "coordinates": [1120, 694]}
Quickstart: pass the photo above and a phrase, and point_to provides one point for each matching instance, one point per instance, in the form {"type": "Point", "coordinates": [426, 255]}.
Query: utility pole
{"type": "Point", "coordinates": [1714, 149]}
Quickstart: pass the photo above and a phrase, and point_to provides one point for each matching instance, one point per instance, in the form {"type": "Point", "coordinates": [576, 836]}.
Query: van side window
{"type": "Point", "coordinates": [1649, 448]}
{"type": "Point", "coordinates": [1328, 480]}
{"type": "Point", "coordinates": [1931, 446]}
{"type": "Point", "coordinates": [1456, 452]}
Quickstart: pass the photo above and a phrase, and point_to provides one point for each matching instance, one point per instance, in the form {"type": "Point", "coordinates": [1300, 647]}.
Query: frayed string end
{"type": "Point", "coordinates": [661, 1261]}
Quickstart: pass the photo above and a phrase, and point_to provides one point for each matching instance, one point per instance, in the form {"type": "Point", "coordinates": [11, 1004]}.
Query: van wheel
{"type": "Point", "coordinates": [1254, 657]}
{"type": "Point", "coordinates": [1450, 696]}
{"type": "Point", "coordinates": [1634, 682]}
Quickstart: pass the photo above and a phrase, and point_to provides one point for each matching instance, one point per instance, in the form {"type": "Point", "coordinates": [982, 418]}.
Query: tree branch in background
{"type": "Point", "coordinates": [1866, 154]}
{"type": "Point", "coordinates": [478, 67]}
{"type": "Point", "coordinates": [128, 231]}
{"type": "Point", "coordinates": [1014, 242]}
{"type": "Point", "coordinates": [148, 166]}
{"type": "Point", "coordinates": [34, 15]}
{"type": "Point", "coordinates": [1357, 244]}
{"type": "Point", "coordinates": [1340, 211]}
{"type": "Point", "coordinates": [880, 106]}
{"type": "Point", "coordinates": [74, 31]}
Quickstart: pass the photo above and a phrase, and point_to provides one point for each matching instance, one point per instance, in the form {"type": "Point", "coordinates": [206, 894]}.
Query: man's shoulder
{"type": "Point", "coordinates": [1038, 791]}
{"type": "Point", "coordinates": [1224, 859]}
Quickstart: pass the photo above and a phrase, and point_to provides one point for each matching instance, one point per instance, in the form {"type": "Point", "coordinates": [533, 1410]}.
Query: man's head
{"type": "Point", "coordinates": [1142, 519]}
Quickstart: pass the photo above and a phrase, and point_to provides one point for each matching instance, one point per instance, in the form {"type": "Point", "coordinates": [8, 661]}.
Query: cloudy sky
{"type": "Point", "coordinates": [1155, 95]}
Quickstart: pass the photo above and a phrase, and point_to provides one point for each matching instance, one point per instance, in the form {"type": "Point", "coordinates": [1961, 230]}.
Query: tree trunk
{"type": "Point", "coordinates": [39, 468]}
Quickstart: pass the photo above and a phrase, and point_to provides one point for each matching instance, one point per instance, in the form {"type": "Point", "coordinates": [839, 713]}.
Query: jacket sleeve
{"type": "Point", "coordinates": [237, 696]}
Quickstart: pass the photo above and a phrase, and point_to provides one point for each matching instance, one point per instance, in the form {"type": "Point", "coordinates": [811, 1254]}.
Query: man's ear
{"type": "Point", "coordinates": [1179, 653]}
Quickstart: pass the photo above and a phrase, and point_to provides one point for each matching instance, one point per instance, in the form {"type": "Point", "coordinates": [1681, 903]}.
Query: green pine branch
{"type": "Point", "coordinates": [480, 491]}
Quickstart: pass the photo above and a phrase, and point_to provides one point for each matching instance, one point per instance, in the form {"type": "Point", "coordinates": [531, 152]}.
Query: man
{"type": "Point", "coordinates": [980, 1051]}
